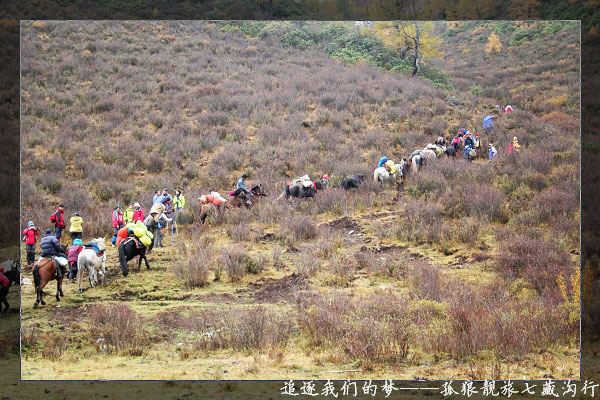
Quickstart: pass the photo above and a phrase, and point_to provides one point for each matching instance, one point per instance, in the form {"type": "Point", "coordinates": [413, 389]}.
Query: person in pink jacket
{"type": "Point", "coordinates": [138, 213]}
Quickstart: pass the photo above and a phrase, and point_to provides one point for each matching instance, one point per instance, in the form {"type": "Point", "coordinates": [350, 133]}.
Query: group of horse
{"type": "Point", "coordinates": [95, 263]}
{"type": "Point", "coordinates": [417, 159]}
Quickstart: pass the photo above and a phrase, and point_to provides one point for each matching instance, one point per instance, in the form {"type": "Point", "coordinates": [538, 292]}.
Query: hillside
{"type": "Point", "coordinates": [466, 265]}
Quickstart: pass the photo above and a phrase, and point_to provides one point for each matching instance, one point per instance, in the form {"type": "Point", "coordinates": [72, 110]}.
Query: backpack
{"type": "Point", "coordinates": [53, 218]}
{"type": "Point", "coordinates": [455, 141]}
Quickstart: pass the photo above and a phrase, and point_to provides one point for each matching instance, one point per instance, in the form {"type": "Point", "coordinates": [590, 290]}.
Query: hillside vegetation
{"type": "Point", "coordinates": [467, 266]}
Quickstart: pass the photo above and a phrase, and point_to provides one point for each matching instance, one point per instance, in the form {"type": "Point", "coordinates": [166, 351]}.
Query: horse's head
{"type": "Point", "coordinates": [258, 190]}
{"type": "Point", "coordinates": [11, 271]}
{"type": "Point", "coordinates": [360, 177]}
{"type": "Point", "coordinates": [100, 242]}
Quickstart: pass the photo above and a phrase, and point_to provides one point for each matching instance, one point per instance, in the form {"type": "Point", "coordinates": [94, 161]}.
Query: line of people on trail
{"type": "Point", "coordinates": [50, 244]}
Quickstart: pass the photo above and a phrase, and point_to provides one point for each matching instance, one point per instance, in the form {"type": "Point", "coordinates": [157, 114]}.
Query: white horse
{"type": "Point", "coordinates": [381, 174]}
{"type": "Point", "coordinates": [90, 260]}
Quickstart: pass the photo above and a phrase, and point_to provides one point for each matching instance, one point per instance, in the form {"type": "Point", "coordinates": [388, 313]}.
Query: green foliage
{"type": "Point", "coordinates": [505, 28]}
{"type": "Point", "coordinates": [531, 34]}
{"type": "Point", "coordinates": [476, 90]}
{"type": "Point", "coordinates": [300, 38]}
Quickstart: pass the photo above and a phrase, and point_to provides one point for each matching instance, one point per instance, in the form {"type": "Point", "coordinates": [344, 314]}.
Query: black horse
{"type": "Point", "coordinates": [451, 151]}
{"type": "Point", "coordinates": [128, 249]}
{"type": "Point", "coordinates": [300, 191]}
{"type": "Point", "coordinates": [13, 276]}
{"type": "Point", "coordinates": [352, 182]}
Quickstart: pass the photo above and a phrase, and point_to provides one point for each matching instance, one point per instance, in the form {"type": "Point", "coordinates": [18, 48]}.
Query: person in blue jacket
{"type": "Point", "coordinates": [51, 248]}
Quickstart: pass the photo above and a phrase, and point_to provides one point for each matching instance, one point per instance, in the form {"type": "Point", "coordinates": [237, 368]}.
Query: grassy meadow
{"type": "Point", "coordinates": [468, 270]}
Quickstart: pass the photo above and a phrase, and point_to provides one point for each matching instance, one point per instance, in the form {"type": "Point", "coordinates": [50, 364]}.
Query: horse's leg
{"type": "Point", "coordinates": [140, 262]}
{"type": "Point", "coordinates": [123, 259]}
{"type": "Point", "coordinates": [103, 273]}
{"type": "Point", "coordinates": [58, 288]}
{"type": "Point", "coordinates": [145, 260]}
{"type": "Point", "coordinates": [41, 294]}
{"type": "Point", "coordinates": [80, 267]}
{"type": "Point", "coordinates": [3, 313]}
{"type": "Point", "coordinates": [37, 297]}
{"type": "Point", "coordinates": [91, 276]}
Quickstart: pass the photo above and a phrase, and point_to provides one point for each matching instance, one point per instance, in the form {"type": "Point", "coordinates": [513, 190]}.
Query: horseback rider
{"type": "Point", "coordinates": [390, 166]}
{"type": "Point", "coordinates": [241, 187]}
{"type": "Point", "coordinates": [382, 161]}
{"type": "Point", "coordinates": [51, 249]}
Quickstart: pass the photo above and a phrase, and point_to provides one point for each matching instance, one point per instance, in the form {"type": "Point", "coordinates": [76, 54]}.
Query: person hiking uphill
{"type": "Point", "coordinates": [514, 147]}
{"type": "Point", "coordinates": [469, 144]}
{"type": "Point", "coordinates": [58, 219]}
{"type": "Point", "coordinates": [76, 228]}
{"type": "Point", "coordinates": [29, 237]}
{"type": "Point", "coordinates": [493, 151]}
{"type": "Point", "coordinates": [117, 222]}
{"type": "Point", "coordinates": [51, 248]}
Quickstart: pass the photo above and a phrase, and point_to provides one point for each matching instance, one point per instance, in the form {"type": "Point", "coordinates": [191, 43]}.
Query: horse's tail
{"type": "Point", "coordinates": [37, 280]}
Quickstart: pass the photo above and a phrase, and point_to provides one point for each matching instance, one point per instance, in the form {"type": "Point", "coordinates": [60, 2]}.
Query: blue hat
{"type": "Point", "coordinates": [30, 223]}
{"type": "Point", "coordinates": [77, 242]}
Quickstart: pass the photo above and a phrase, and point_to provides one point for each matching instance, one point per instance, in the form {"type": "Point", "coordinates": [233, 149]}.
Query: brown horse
{"type": "Point", "coordinates": [211, 209]}
{"type": "Point", "coordinates": [241, 200]}
{"type": "Point", "coordinates": [44, 271]}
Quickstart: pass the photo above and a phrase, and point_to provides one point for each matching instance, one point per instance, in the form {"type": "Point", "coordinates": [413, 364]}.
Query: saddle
{"type": "Point", "coordinates": [94, 247]}
{"type": "Point", "coordinates": [56, 263]}
{"type": "Point", "coordinates": [138, 244]}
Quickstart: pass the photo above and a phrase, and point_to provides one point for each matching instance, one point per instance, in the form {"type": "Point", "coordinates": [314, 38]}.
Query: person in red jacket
{"type": "Point", "coordinates": [29, 237]}
{"type": "Point", "coordinates": [138, 213]}
{"type": "Point", "coordinates": [117, 222]}
{"type": "Point", "coordinates": [58, 219]}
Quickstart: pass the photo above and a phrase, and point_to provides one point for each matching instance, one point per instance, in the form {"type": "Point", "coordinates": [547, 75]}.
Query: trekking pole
{"type": "Point", "coordinates": [173, 232]}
